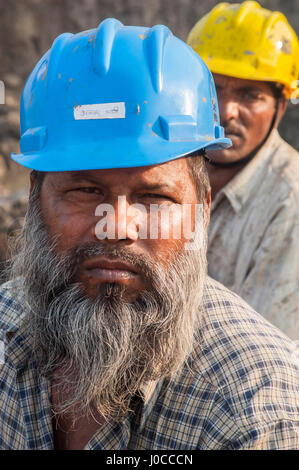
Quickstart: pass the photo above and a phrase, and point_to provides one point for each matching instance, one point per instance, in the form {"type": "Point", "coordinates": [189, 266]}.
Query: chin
{"type": "Point", "coordinates": [110, 290]}
{"type": "Point", "coordinates": [225, 156]}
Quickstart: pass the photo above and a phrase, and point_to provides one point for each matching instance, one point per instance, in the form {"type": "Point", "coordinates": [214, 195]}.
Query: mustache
{"type": "Point", "coordinates": [231, 127]}
{"type": "Point", "coordinates": [84, 252]}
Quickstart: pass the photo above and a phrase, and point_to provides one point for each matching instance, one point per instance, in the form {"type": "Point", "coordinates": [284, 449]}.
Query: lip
{"type": "Point", "coordinates": [107, 270]}
{"type": "Point", "coordinates": [110, 264]}
{"type": "Point", "coordinates": [232, 134]}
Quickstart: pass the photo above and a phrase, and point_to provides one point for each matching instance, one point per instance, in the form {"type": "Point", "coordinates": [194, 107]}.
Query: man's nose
{"type": "Point", "coordinates": [228, 109]}
{"type": "Point", "coordinates": [116, 224]}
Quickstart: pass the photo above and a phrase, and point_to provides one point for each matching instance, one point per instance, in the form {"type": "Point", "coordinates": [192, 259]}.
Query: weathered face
{"type": "Point", "coordinates": [119, 311]}
{"type": "Point", "coordinates": [69, 201]}
{"type": "Point", "coordinates": [246, 110]}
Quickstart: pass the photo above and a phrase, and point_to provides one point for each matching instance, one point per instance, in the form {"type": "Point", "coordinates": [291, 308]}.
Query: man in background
{"type": "Point", "coordinates": [254, 229]}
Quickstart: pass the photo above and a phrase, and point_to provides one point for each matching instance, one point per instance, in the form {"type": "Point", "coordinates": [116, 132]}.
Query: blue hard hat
{"type": "Point", "coordinates": [117, 96]}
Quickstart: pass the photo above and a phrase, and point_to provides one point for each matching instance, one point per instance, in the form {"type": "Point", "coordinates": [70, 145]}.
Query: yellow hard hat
{"type": "Point", "coordinates": [247, 41]}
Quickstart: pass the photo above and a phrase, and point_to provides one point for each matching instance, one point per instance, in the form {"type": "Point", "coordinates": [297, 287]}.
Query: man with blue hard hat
{"type": "Point", "coordinates": [112, 335]}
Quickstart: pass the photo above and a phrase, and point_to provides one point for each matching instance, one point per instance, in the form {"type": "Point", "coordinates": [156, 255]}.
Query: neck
{"type": "Point", "coordinates": [219, 176]}
{"type": "Point", "coordinates": [221, 173]}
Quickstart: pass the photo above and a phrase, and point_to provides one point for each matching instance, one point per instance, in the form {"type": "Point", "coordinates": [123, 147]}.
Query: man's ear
{"type": "Point", "coordinates": [281, 109]}
{"type": "Point", "coordinates": [207, 207]}
{"type": "Point", "coordinates": [33, 179]}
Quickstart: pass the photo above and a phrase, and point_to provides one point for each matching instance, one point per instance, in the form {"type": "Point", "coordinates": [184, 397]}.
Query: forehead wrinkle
{"type": "Point", "coordinates": [64, 177]}
{"type": "Point", "coordinates": [169, 182]}
{"type": "Point", "coordinates": [85, 175]}
{"type": "Point", "coordinates": [240, 84]}
{"type": "Point", "coordinates": [167, 177]}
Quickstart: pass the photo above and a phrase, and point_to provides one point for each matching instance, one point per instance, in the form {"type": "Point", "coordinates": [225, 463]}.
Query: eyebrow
{"type": "Point", "coordinates": [158, 186]}
{"type": "Point", "coordinates": [243, 89]}
{"type": "Point", "coordinates": [87, 176]}
{"type": "Point", "coordinates": [81, 176]}
{"type": "Point", "coordinates": [251, 89]}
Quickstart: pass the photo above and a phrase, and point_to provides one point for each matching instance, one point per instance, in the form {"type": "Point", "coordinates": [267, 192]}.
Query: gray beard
{"type": "Point", "coordinates": [108, 348]}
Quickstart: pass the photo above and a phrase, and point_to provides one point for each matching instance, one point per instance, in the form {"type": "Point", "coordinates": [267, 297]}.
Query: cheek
{"type": "Point", "coordinates": [168, 231]}
{"type": "Point", "coordinates": [257, 119]}
{"type": "Point", "coordinates": [68, 225]}
{"type": "Point", "coordinates": [163, 251]}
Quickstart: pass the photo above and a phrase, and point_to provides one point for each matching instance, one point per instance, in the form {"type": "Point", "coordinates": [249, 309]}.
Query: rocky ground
{"type": "Point", "coordinates": [27, 30]}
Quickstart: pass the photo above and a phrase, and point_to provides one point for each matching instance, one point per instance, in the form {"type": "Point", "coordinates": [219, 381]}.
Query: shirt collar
{"type": "Point", "coordinates": [19, 345]}
{"type": "Point", "coordinates": [239, 190]}
{"type": "Point", "coordinates": [150, 394]}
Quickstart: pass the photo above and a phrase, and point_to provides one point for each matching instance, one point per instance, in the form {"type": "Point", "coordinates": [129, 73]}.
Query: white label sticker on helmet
{"type": "Point", "coordinates": [100, 111]}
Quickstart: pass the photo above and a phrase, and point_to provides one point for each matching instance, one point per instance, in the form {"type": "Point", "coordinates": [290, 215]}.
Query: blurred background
{"type": "Point", "coordinates": [27, 30]}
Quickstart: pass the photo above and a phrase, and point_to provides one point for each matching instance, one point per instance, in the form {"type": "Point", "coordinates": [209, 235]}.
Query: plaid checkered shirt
{"type": "Point", "coordinates": [239, 390]}
{"type": "Point", "coordinates": [253, 246]}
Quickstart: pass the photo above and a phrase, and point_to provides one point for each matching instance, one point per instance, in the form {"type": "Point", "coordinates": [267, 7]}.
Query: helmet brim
{"type": "Point", "coordinates": [120, 153]}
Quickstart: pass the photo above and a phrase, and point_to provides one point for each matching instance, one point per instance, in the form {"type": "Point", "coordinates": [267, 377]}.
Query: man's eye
{"type": "Point", "coordinates": [155, 196]}
{"type": "Point", "coordinates": [89, 190]}
{"type": "Point", "coordinates": [254, 96]}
